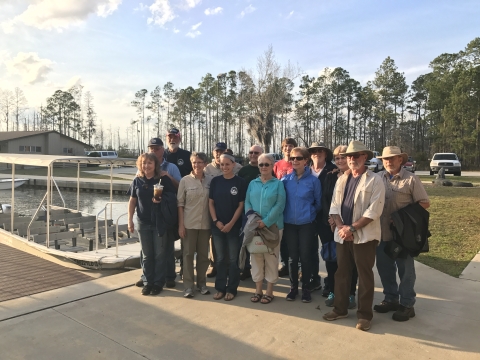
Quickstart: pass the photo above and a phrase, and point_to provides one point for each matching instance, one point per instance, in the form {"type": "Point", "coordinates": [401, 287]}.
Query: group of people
{"type": "Point", "coordinates": [313, 199]}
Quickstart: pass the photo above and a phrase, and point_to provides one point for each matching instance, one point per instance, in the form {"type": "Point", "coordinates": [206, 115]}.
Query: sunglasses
{"type": "Point", "coordinates": [298, 158]}
{"type": "Point", "coordinates": [254, 152]}
{"type": "Point", "coordinates": [264, 164]}
{"type": "Point", "coordinates": [355, 156]}
{"type": "Point", "coordinates": [316, 151]}
{"type": "Point", "coordinates": [338, 158]}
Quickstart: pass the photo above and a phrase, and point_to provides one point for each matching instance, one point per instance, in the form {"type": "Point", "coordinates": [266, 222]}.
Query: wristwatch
{"type": "Point", "coordinates": [352, 229]}
{"type": "Point", "coordinates": [215, 221]}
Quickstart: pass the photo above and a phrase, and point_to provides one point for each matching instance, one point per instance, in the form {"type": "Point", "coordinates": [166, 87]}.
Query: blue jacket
{"type": "Point", "coordinates": [267, 200]}
{"type": "Point", "coordinates": [303, 198]}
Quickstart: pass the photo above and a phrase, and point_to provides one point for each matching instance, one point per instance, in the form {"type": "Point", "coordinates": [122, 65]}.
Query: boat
{"type": "Point", "coordinates": [93, 241]}
{"type": "Point", "coordinates": [6, 184]}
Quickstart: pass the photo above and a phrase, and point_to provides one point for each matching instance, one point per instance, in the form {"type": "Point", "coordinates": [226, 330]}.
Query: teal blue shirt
{"type": "Point", "coordinates": [268, 200]}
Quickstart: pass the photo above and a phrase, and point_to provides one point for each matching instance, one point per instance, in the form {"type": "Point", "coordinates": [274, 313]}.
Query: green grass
{"type": "Point", "coordinates": [455, 226]}
{"type": "Point", "coordinates": [62, 172]}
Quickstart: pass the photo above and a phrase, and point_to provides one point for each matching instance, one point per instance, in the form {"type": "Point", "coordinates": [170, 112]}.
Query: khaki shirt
{"type": "Point", "coordinates": [193, 196]}
{"type": "Point", "coordinates": [214, 169]}
{"type": "Point", "coordinates": [401, 190]}
{"type": "Point", "coordinates": [369, 202]}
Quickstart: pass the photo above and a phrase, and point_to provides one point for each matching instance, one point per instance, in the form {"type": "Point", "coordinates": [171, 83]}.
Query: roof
{"type": "Point", "coordinates": [46, 160]}
{"type": "Point", "coordinates": [12, 135]}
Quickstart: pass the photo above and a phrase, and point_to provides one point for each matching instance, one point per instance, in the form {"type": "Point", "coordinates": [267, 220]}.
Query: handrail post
{"type": "Point", "coordinates": [12, 216]}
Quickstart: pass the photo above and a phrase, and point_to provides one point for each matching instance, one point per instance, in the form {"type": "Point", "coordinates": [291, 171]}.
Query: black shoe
{"type": "Point", "coordinates": [212, 272]}
{"type": "Point", "coordinates": [325, 291]}
{"type": "Point", "coordinates": [170, 284]}
{"type": "Point", "coordinates": [245, 274]}
{"type": "Point", "coordinates": [147, 289]}
{"type": "Point", "coordinates": [283, 271]}
{"type": "Point", "coordinates": [181, 274]}
{"type": "Point", "coordinates": [156, 290]}
{"type": "Point", "coordinates": [139, 283]}
{"type": "Point", "coordinates": [315, 285]}
{"type": "Point", "coordinates": [385, 307]}
{"type": "Point", "coordinates": [403, 313]}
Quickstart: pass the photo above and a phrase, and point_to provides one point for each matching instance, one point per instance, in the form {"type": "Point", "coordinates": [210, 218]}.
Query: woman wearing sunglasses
{"type": "Point", "coordinates": [266, 196]}
{"type": "Point", "coordinates": [303, 202]}
{"type": "Point", "coordinates": [142, 201]}
{"type": "Point", "coordinates": [327, 225]}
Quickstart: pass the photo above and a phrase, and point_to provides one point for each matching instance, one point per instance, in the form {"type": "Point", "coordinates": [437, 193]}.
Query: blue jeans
{"type": "Point", "coordinates": [169, 245]}
{"type": "Point", "coordinates": [153, 254]}
{"type": "Point", "coordinates": [227, 246]}
{"type": "Point", "coordinates": [300, 240]}
{"type": "Point", "coordinates": [387, 269]}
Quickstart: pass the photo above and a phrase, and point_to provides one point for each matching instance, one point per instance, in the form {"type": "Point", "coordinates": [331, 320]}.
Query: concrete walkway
{"type": "Point", "coordinates": [107, 318]}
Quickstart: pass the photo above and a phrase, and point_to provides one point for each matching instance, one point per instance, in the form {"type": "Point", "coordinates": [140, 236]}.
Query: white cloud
{"type": "Point", "coordinates": [176, 31]}
{"type": "Point", "coordinates": [212, 11]}
{"type": "Point", "coordinates": [30, 67]}
{"type": "Point", "coordinates": [290, 14]}
{"type": "Point", "coordinates": [196, 26]}
{"type": "Point", "coordinates": [141, 7]}
{"type": "Point", "coordinates": [60, 14]}
{"type": "Point", "coordinates": [76, 80]}
{"type": "Point", "coordinates": [162, 13]}
{"type": "Point", "coordinates": [248, 10]}
{"type": "Point", "coordinates": [195, 32]}
{"type": "Point", "coordinates": [189, 4]}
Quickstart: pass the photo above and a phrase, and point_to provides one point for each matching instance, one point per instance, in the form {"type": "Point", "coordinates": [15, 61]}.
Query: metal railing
{"type": "Point", "coordinates": [104, 210]}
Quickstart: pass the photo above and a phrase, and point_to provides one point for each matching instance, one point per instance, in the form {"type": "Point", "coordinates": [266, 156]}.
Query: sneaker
{"type": "Point", "coordinates": [170, 284]}
{"type": "Point", "coordinates": [403, 313]}
{"type": "Point", "coordinates": [363, 324]}
{"type": "Point", "coordinates": [211, 272]}
{"type": "Point", "coordinates": [245, 274]}
{"type": "Point", "coordinates": [156, 290]}
{"type": "Point", "coordinates": [147, 289]}
{"type": "Point", "coordinates": [325, 291]}
{"type": "Point", "coordinates": [332, 315]}
{"type": "Point", "coordinates": [386, 306]}
{"type": "Point", "coordinates": [203, 290]}
{"type": "Point", "coordinates": [330, 300]}
{"type": "Point", "coordinates": [316, 285]}
{"type": "Point", "coordinates": [188, 293]}
{"type": "Point", "coordinates": [306, 296]}
{"type": "Point", "coordinates": [351, 302]}
{"type": "Point", "coordinates": [292, 294]}
{"type": "Point", "coordinates": [139, 283]}
{"type": "Point", "coordinates": [283, 271]}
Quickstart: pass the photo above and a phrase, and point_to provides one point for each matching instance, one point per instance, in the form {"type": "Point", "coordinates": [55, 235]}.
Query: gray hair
{"type": "Point", "coordinates": [260, 146]}
{"type": "Point", "coordinates": [202, 156]}
{"type": "Point", "coordinates": [228, 156]}
{"type": "Point", "coordinates": [269, 157]}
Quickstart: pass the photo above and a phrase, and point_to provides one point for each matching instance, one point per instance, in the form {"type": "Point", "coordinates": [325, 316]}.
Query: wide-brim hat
{"type": "Point", "coordinates": [321, 145]}
{"type": "Point", "coordinates": [391, 151]}
{"type": "Point", "coordinates": [356, 147]}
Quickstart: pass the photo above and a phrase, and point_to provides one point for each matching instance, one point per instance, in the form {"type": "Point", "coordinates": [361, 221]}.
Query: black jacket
{"type": "Point", "coordinates": [410, 231]}
{"type": "Point", "coordinates": [166, 214]}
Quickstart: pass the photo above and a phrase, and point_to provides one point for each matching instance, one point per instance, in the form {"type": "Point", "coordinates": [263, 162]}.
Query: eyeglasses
{"type": "Point", "coordinates": [355, 156]}
{"type": "Point", "coordinates": [298, 158]}
{"type": "Point", "coordinates": [262, 165]}
{"type": "Point", "coordinates": [338, 158]}
{"type": "Point", "coordinates": [254, 152]}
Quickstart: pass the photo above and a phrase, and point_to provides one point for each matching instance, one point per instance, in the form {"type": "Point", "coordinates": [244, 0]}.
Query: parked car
{"type": "Point", "coordinates": [448, 161]}
{"type": "Point", "coordinates": [410, 164]}
{"type": "Point", "coordinates": [375, 164]}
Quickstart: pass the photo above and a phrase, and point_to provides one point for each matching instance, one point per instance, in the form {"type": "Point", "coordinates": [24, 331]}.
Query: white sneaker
{"type": "Point", "coordinates": [188, 293]}
{"type": "Point", "coordinates": [203, 290]}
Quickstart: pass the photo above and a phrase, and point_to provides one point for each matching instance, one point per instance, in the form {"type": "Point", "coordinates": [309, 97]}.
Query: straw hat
{"type": "Point", "coordinates": [320, 145]}
{"type": "Point", "coordinates": [356, 147]}
{"type": "Point", "coordinates": [391, 151]}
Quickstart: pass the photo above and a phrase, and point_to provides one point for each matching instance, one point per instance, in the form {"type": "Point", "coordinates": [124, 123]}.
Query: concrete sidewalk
{"type": "Point", "coordinates": [108, 318]}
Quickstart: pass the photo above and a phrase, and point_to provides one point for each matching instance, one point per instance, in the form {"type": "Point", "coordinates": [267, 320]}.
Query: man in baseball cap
{"type": "Point", "coordinates": [175, 155]}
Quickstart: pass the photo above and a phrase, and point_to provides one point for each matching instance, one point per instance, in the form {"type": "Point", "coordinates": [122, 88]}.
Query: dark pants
{"type": "Point", "coordinates": [331, 270]}
{"type": "Point", "coordinates": [349, 255]}
{"type": "Point", "coordinates": [153, 254]}
{"type": "Point", "coordinates": [299, 239]}
{"type": "Point", "coordinates": [284, 252]}
{"type": "Point", "coordinates": [227, 250]}
{"type": "Point", "coordinates": [169, 249]}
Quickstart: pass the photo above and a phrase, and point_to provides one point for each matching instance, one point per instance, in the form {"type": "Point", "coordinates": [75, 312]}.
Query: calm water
{"type": "Point", "coordinates": [27, 201]}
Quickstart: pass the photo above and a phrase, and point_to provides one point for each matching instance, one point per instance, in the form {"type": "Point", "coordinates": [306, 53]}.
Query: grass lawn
{"type": "Point", "coordinates": [62, 172]}
{"type": "Point", "coordinates": [475, 180]}
{"type": "Point", "coordinates": [454, 224]}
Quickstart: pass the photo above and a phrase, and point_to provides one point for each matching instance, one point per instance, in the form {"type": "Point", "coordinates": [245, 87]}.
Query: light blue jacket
{"type": "Point", "coordinates": [267, 199]}
{"type": "Point", "coordinates": [303, 197]}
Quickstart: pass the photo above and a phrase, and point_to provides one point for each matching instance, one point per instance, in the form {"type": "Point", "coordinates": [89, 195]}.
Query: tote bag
{"type": "Point", "coordinates": [257, 246]}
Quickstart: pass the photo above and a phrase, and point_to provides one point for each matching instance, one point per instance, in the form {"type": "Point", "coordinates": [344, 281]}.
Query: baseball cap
{"type": "Point", "coordinates": [220, 146]}
{"type": "Point", "coordinates": [155, 142]}
{"type": "Point", "coordinates": [173, 131]}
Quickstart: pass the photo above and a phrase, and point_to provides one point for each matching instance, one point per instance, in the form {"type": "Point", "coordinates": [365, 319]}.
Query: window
{"type": "Point", "coordinates": [30, 149]}
{"type": "Point", "coordinates": [68, 150]}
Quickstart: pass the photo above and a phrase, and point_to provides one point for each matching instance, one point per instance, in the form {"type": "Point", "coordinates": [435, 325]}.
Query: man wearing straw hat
{"type": "Point", "coordinates": [357, 204]}
{"type": "Point", "coordinates": [402, 188]}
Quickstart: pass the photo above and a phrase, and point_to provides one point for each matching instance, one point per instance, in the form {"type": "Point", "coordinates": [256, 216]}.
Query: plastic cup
{"type": "Point", "coordinates": [157, 191]}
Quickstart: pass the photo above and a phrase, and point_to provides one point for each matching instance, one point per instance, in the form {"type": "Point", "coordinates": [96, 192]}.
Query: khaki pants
{"type": "Point", "coordinates": [265, 266]}
{"type": "Point", "coordinates": [363, 255]}
{"type": "Point", "coordinates": [195, 241]}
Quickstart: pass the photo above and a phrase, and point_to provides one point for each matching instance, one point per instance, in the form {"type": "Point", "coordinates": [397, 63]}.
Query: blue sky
{"type": "Point", "coordinates": [116, 47]}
